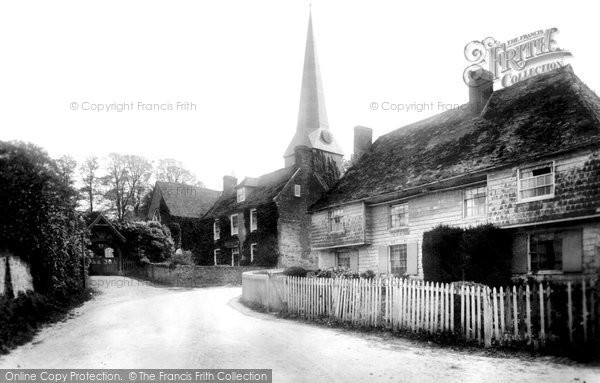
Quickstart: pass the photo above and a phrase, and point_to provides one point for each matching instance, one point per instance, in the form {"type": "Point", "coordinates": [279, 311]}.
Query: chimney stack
{"type": "Point", "coordinates": [229, 184]}
{"type": "Point", "coordinates": [363, 138]}
{"type": "Point", "coordinates": [481, 87]}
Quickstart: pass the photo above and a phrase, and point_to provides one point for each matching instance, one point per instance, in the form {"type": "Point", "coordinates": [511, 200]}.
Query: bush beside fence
{"type": "Point", "coordinates": [535, 314]}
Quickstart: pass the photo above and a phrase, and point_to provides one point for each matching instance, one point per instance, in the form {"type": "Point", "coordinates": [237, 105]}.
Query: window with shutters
{"type": "Point", "coordinates": [398, 255]}
{"type": "Point", "coordinates": [545, 252]}
{"type": "Point", "coordinates": [342, 259]}
{"type": "Point", "coordinates": [558, 250]}
{"type": "Point", "coordinates": [399, 216]}
{"type": "Point", "coordinates": [474, 203]}
{"type": "Point", "coordinates": [536, 183]}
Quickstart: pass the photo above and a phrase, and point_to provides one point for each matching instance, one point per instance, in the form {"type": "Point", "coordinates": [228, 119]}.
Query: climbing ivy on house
{"type": "Point", "coordinates": [265, 236]}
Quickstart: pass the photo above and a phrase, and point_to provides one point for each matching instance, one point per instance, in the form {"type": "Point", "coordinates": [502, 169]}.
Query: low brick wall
{"type": "Point", "coordinates": [192, 276]}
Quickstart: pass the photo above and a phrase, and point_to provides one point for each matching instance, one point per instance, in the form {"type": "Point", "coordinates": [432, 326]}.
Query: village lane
{"type": "Point", "coordinates": [131, 324]}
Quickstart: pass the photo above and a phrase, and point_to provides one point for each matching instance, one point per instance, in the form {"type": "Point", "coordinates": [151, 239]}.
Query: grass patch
{"type": "Point", "coordinates": [22, 317]}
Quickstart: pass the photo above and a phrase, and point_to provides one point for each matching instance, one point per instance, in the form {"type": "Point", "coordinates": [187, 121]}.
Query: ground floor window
{"type": "Point", "coordinates": [217, 256]}
{"type": "Point", "coordinates": [556, 250]}
{"type": "Point", "coordinates": [235, 256]}
{"type": "Point", "coordinates": [398, 259]}
{"type": "Point", "coordinates": [545, 251]}
{"type": "Point", "coordinates": [342, 259]}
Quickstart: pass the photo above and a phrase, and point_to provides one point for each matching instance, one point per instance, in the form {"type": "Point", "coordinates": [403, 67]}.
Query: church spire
{"type": "Point", "coordinates": [312, 129]}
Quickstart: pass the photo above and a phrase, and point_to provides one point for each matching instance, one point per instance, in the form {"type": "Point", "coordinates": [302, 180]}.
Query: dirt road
{"type": "Point", "coordinates": [134, 325]}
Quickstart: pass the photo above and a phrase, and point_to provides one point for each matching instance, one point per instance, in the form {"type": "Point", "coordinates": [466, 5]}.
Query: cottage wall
{"type": "Point", "coordinates": [577, 197]}
{"type": "Point", "coordinates": [577, 180]}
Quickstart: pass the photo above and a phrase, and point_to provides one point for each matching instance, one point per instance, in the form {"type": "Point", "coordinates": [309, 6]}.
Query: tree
{"type": "Point", "coordinates": [66, 166]}
{"type": "Point", "coordinates": [127, 180]}
{"type": "Point", "coordinates": [88, 172]}
{"type": "Point", "coordinates": [139, 171]}
{"type": "Point", "coordinates": [170, 170]}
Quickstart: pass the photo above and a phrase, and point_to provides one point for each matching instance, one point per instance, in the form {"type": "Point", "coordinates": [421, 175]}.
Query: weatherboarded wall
{"type": "Point", "coordinates": [353, 233]}
{"type": "Point", "coordinates": [577, 180]}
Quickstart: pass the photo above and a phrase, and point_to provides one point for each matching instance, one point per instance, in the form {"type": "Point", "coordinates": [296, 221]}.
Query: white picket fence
{"type": "Point", "coordinates": [532, 313]}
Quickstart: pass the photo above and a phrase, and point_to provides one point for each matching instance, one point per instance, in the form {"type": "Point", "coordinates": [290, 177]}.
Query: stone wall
{"type": "Point", "coordinates": [20, 274]}
{"type": "Point", "coordinates": [294, 221]}
{"type": "Point", "coordinates": [193, 276]}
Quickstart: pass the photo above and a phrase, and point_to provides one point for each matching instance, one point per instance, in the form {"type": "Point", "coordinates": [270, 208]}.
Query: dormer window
{"type": "Point", "coordinates": [398, 216]}
{"type": "Point", "coordinates": [336, 223]}
{"type": "Point", "coordinates": [241, 195]}
{"type": "Point", "coordinates": [536, 183]}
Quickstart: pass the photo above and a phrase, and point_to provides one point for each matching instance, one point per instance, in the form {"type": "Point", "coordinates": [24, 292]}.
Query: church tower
{"type": "Point", "coordinates": [313, 128]}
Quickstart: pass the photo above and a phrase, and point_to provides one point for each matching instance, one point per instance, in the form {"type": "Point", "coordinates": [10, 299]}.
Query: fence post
{"type": "Point", "coordinates": [570, 309]}
{"type": "Point", "coordinates": [495, 309]}
{"type": "Point", "coordinates": [542, 319]}
{"type": "Point", "coordinates": [515, 313]}
{"type": "Point", "coordinates": [584, 311]}
{"type": "Point", "coordinates": [528, 312]}
{"type": "Point", "coordinates": [487, 318]}
{"type": "Point", "coordinates": [452, 307]}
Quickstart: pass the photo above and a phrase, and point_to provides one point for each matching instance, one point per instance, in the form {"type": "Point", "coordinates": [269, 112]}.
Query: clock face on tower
{"type": "Point", "coordinates": [326, 136]}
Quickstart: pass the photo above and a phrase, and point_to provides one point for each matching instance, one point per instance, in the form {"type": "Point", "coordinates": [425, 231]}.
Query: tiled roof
{"type": "Point", "coordinates": [267, 188]}
{"type": "Point", "coordinates": [545, 114]}
{"type": "Point", "coordinates": [186, 200]}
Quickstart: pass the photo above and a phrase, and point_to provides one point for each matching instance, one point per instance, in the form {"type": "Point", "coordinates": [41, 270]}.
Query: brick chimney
{"type": "Point", "coordinates": [303, 157]}
{"type": "Point", "coordinates": [229, 184]}
{"type": "Point", "coordinates": [363, 138]}
{"type": "Point", "coordinates": [481, 87]}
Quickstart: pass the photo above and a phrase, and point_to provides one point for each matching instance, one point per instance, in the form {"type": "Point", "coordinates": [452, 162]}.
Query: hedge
{"type": "Point", "coordinates": [481, 254]}
{"type": "Point", "coordinates": [38, 221]}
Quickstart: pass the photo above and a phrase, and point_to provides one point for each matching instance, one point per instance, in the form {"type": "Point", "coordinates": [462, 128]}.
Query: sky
{"type": "Point", "coordinates": [240, 64]}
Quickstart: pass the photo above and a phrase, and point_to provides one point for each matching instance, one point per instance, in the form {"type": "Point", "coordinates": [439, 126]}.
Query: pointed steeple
{"type": "Point", "coordinates": [313, 127]}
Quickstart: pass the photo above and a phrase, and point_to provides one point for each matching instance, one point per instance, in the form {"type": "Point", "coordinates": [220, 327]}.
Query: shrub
{"type": "Point", "coordinates": [369, 274]}
{"type": "Point", "coordinates": [146, 239]}
{"type": "Point", "coordinates": [175, 230]}
{"type": "Point", "coordinates": [337, 272]}
{"type": "Point", "coordinates": [182, 258]}
{"type": "Point", "coordinates": [295, 271]}
{"type": "Point", "coordinates": [488, 252]}
{"type": "Point", "coordinates": [442, 255]}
